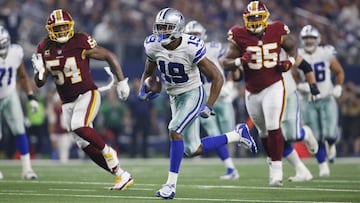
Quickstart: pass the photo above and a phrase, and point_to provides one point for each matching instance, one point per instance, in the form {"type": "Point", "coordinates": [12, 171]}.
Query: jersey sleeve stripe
{"type": "Point", "coordinates": [199, 54]}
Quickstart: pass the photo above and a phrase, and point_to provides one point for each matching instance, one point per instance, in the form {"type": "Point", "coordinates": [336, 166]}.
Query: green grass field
{"type": "Point", "coordinates": [83, 181]}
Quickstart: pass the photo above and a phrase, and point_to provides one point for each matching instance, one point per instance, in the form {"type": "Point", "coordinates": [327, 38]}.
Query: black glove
{"type": "Point", "coordinates": [314, 89]}
{"type": "Point", "coordinates": [315, 93]}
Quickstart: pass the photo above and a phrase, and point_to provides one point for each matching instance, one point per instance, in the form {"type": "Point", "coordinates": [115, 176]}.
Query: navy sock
{"type": "Point", "coordinates": [321, 154]}
{"type": "Point", "coordinates": [176, 155]}
{"type": "Point", "coordinates": [213, 142]}
{"type": "Point", "coordinates": [223, 152]}
{"type": "Point", "coordinates": [22, 144]}
{"type": "Point", "coordinates": [288, 148]}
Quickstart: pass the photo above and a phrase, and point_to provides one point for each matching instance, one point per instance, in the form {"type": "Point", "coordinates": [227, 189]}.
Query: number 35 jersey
{"type": "Point", "coordinates": [69, 67]}
{"type": "Point", "coordinates": [8, 70]}
{"type": "Point", "coordinates": [178, 67]}
{"type": "Point", "coordinates": [262, 70]}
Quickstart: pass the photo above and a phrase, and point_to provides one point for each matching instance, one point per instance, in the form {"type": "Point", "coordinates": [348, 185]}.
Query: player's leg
{"type": "Point", "coordinates": [82, 112]}
{"type": "Point", "coordinates": [65, 141]}
{"type": "Point", "coordinates": [311, 118]}
{"type": "Point", "coordinates": [329, 121]}
{"type": "Point", "coordinates": [184, 120]}
{"type": "Point", "coordinates": [290, 127]}
{"type": "Point", "coordinates": [225, 122]}
{"type": "Point", "coordinates": [14, 118]}
{"type": "Point", "coordinates": [273, 105]}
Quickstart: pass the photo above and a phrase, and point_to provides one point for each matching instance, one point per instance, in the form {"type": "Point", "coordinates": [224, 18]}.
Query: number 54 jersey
{"type": "Point", "coordinates": [178, 67]}
{"type": "Point", "coordinates": [69, 67]}
{"type": "Point", "coordinates": [262, 71]}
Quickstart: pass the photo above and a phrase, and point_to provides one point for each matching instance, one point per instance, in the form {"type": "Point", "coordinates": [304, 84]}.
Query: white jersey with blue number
{"type": "Point", "coordinates": [178, 67]}
{"type": "Point", "coordinates": [320, 62]}
{"type": "Point", "coordinates": [290, 84]}
{"type": "Point", "coordinates": [214, 51]}
{"type": "Point", "coordinates": [8, 70]}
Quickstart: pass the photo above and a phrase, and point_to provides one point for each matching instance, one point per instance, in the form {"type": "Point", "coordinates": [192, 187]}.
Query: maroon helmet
{"type": "Point", "coordinates": [256, 17]}
{"type": "Point", "coordinates": [60, 26]}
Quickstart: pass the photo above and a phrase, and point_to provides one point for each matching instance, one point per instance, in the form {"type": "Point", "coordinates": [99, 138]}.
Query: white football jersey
{"type": "Point", "coordinates": [320, 62]}
{"type": "Point", "coordinates": [8, 69]}
{"type": "Point", "coordinates": [178, 67]}
{"type": "Point", "coordinates": [290, 84]}
{"type": "Point", "coordinates": [214, 51]}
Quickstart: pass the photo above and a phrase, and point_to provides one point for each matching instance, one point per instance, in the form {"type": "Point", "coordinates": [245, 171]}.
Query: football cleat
{"type": "Point", "coordinates": [123, 181]}
{"type": "Point", "coordinates": [233, 175]}
{"type": "Point", "coordinates": [324, 170]}
{"type": "Point", "coordinates": [301, 176]}
{"type": "Point", "coordinates": [29, 175]}
{"type": "Point", "coordinates": [275, 182]}
{"type": "Point", "coordinates": [1, 176]}
{"type": "Point", "coordinates": [167, 191]}
{"type": "Point", "coordinates": [112, 160]}
{"type": "Point", "coordinates": [310, 141]}
{"type": "Point", "coordinates": [245, 138]}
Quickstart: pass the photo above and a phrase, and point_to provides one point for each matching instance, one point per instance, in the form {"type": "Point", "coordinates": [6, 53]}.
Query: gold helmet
{"type": "Point", "coordinates": [256, 17]}
{"type": "Point", "coordinates": [60, 26]}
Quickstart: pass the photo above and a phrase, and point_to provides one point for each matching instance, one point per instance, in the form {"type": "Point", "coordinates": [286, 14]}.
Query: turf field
{"type": "Point", "coordinates": [82, 181]}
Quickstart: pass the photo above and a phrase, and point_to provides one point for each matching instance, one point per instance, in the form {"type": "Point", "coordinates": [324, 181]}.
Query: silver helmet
{"type": "Point", "coordinates": [169, 25]}
{"type": "Point", "coordinates": [309, 37]}
{"type": "Point", "coordinates": [195, 28]}
{"type": "Point", "coordinates": [4, 42]}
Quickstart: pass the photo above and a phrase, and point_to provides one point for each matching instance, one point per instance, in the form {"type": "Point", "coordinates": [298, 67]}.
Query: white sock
{"type": "Point", "coordinates": [232, 136]}
{"type": "Point", "coordinates": [119, 171]}
{"type": "Point", "coordinates": [276, 170]}
{"type": "Point", "coordinates": [228, 163]}
{"type": "Point", "coordinates": [25, 161]}
{"type": "Point", "coordinates": [106, 149]}
{"type": "Point", "coordinates": [295, 161]}
{"type": "Point", "coordinates": [172, 178]}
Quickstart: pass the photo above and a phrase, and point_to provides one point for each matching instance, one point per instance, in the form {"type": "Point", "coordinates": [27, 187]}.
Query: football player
{"type": "Point", "coordinates": [65, 55]}
{"type": "Point", "coordinates": [224, 120]}
{"type": "Point", "coordinates": [180, 58]}
{"type": "Point", "coordinates": [291, 126]}
{"type": "Point", "coordinates": [11, 114]}
{"type": "Point", "coordinates": [321, 115]}
{"type": "Point", "coordinates": [255, 49]}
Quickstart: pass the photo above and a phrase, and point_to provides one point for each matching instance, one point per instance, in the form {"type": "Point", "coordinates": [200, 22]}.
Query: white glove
{"type": "Point", "coordinates": [337, 91]}
{"type": "Point", "coordinates": [38, 65]}
{"type": "Point", "coordinates": [123, 89]}
{"type": "Point", "coordinates": [303, 87]}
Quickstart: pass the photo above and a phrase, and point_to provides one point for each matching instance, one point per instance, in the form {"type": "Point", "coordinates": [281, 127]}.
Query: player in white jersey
{"type": "Point", "coordinates": [180, 58]}
{"type": "Point", "coordinates": [224, 120]}
{"type": "Point", "coordinates": [11, 114]}
{"type": "Point", "coordinates": [322, 114]}
{"type": "Point", "coordinates": [290, 124]}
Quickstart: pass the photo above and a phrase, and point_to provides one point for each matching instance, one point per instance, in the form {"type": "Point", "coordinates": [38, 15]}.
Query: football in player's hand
{"type": "Point", "coordinates": [153, 84]}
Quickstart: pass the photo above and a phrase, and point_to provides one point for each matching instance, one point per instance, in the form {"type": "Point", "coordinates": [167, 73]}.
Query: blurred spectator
{"type": "Point", "coordinates": [350, 114]}
{"type": "Point", "coordinates": [61, 139]}
{"type": "Point", "coordinates": [143, 120]}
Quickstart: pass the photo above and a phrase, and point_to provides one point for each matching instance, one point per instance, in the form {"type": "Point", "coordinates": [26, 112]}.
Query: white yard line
{"type": "Point", "coordinates": [154, 198]}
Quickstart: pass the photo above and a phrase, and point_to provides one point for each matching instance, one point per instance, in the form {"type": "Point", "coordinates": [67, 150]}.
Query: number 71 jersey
{"type": "Point", "coordinates": [262, 70]}
{"type": "Point", "coordinates": [178, 67]}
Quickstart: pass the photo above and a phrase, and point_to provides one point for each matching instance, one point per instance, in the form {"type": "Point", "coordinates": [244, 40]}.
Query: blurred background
{"type": "Point", "coordinates": [137, 129]}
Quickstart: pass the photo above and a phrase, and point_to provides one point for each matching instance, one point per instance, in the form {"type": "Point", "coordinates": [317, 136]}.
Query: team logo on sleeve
{"type": "Point", "coordinates": [47, 53]}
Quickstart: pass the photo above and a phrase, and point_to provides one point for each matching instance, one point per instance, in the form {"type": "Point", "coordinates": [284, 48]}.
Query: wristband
{"type": "Point", "coordinates": [237, 62]}
{"type": "Point", "coordinates": [292, 60]}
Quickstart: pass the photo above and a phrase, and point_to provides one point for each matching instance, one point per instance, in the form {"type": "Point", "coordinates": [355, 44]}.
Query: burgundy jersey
{"type": "Point", "coordinates": [262, 71]}
{"type": "Point", "coordinates": [68, 66]}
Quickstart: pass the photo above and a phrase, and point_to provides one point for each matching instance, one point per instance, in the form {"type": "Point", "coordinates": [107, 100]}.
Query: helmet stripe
{"type": "Point", "coordinates": [163, 13]}
{"type": "Point", "coordinates": [58, 14]}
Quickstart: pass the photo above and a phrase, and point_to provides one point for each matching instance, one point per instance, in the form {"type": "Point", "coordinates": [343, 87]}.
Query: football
{"type": "Point", "coordinates": [153, 84]}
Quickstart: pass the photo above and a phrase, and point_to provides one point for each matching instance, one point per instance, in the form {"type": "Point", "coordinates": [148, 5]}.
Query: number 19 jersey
{"type": "Point", "coordinates": [178, 67]}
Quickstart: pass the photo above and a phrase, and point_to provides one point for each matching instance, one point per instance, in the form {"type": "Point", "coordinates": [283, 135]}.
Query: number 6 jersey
{"type": "Point", "coordinates": [178, 67]}
{"type": "Point", "coordinates": [262, 71]}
